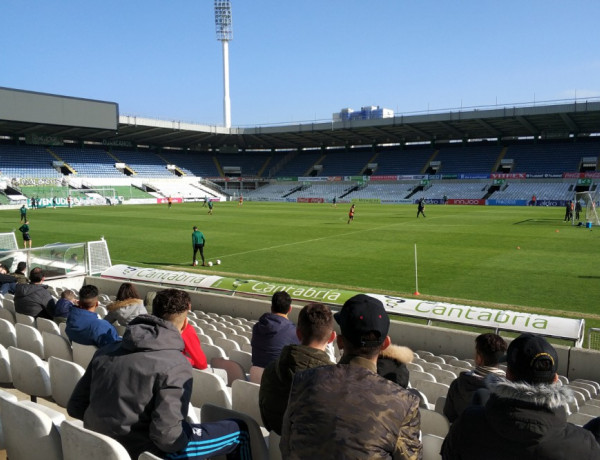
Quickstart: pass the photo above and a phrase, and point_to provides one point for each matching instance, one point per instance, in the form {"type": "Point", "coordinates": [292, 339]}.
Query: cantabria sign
{"type": "Point", "coordinates": [506, 320]}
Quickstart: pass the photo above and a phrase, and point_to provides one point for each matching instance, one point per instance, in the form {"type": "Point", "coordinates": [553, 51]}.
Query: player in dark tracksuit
{"type": "Point", "coordinates": [421, 207]}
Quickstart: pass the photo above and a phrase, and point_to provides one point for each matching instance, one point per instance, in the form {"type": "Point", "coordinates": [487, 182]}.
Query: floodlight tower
{"type": "Point", "coordinates": [224, 34]}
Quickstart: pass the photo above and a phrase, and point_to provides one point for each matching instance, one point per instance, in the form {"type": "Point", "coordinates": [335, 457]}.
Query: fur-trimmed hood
{"type": "Point", "coordinates": [398, 353]}
{"type": "Point", "coordinates": [551, 396]}
{"type": "Point", "coordinates": [124, 303]}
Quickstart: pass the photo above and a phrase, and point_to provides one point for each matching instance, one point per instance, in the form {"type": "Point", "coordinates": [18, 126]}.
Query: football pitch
{"type": "Point", "coordinates": [523, 258]}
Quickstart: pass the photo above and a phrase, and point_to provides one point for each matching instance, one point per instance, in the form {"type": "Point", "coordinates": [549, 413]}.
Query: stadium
{"type": "Point", "coordinates": [508, 246]}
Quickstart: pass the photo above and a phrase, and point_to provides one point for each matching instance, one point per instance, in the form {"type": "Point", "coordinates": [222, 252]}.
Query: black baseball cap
{"type": "Point", "coordinates": [530, 358]}
{"type": "Point", "coordinates": [361, 315]}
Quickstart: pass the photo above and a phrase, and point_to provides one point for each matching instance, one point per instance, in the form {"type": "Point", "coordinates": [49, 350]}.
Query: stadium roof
{"type": "Point", "coordinates": [506, 123]}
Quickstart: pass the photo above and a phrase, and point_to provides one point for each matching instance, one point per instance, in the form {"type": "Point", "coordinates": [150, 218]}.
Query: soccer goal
{"type": "Point", "coordinates": [94, 196]}
{"type": "Point", "coordinates": [588, 202]}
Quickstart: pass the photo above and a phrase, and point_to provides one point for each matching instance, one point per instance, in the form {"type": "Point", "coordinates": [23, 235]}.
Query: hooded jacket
{"type": "Point", "coordinates": [138, 390]}
{"type": "Point", "coordinates": [348, 411]}
{"type": "Point", "coordinates": [391, 364]}
{"type": "Point", "coordinates": [462, 389]}
{"type": "Point", "coordinates": [123, 311]}
{"type": "Point", "coordinates": [277, 380]}
{"type": "Point", "coordinates": [520, 421]}
{"type": "Point", "coordinates": [33, 300]}
{"type": "Point", "coordinates": [270, 334]}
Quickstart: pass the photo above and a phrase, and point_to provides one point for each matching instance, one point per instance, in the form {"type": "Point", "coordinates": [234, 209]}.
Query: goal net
{"type": "Point", "coordinates": [94, 196]}
{"type": "Point", "coordinates": [588, 202]}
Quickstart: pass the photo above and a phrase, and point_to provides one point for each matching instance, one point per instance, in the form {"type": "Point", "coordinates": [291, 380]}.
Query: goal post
{"type": "Point", "coordinates": [94, 196]}
{"type": "Point", "coordinates": [588, 202]}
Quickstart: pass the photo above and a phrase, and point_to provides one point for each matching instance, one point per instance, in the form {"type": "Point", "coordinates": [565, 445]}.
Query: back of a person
{"type": "Point", "coordinates": [346, 411]}
{"type": "Point", "coordinates": [269, 335]}
{"type": "Point", "coordinates": [522, 431]}
{"type": "Point", "coordinates": [460, 393]}
{"type": "Point", "coordinates": [277, 381]}
{"type": "Point", "coordinates": [124, 380]}
{"type": "Point", "coordinates": [31, 299]}
{"type": "Point", "coordinates": [123, 311]}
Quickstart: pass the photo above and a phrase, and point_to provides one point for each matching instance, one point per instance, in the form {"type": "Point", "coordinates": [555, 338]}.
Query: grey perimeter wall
{"type": "Point", "coordinates": [573, 362]}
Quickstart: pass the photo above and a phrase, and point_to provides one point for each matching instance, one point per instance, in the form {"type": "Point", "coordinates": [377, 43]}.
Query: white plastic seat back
{"type": "Point", "coordinates": [432, 445]}
{"type": "Point", "coordinates": [56, 345]}
{"type": "Point", "coordinates": [433, 422]}
{"type": "Point", "coordinates": [209, 388]}
{"type": "Point", "coordinates": [29, 433]}
{"type": "Point", "coordinates": [20, 318]}
{"type": "Point", "coordinates": [83, 354]}
{"type": "Point", "coordinates": [48, 325]}
{"type": "Point", "coordinates": [30, 374]}
{"type": "Point", "coordinates": [79, 443]}
{"type": "Point", "coordinates": [8, 336]}
{"type": "Point", "coordinates": [244, 398]}
{"type": "Point", "coordinates": [64, 375]}
{"type": "Point", "coordinates": [5, 371]}
{"type": "Point", "coordinates": [30, 339]}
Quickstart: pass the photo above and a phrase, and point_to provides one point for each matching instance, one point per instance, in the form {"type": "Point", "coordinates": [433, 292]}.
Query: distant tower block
{"type": "Point", "coordinates": [224, 34]}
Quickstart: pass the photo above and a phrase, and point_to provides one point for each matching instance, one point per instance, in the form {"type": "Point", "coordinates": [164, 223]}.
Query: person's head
{"type": "Point", "coordinates": [172, 305]}
{"type": "Point", "coordinates": [531, 359]}
{"type": "Point", "coordinates": [67, 294]}
{"type": "Point", "coordinates": [21, 266]}
{"type": "Point", "coordinates": [364, 326]}
{"type": "Point", "coordinates": [281, 303]}
{"type": "Point", "coordinates": [489, 348]}
{"type": "Point", "coordinates": [3, 269]}
{"type": "Point", "coordinates": [88, 297]}
{"type": "Point", "coordinates": [127, 291]}
{"type": "Point", "coordinates": [36, 275]}
{"type": "Point", "coordinates": [315, 325]}
{"type": "Point", "coordinates": [195, 228]}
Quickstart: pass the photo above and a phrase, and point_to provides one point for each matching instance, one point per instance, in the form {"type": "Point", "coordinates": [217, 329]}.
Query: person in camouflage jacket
{"type": "Point", "coordinates": [347, 410]}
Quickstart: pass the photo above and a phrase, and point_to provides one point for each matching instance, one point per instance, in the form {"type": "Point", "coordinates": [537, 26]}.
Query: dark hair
{"type": "Point", "coordinates": [315, 323]}
{"type": "Point", "coordinates": [127, 291]}
{"type": "Point", "coordinates": [36, 275]}
{"type": "Point", "coordinates": [170, 302]}
{"type": "Point", "coordinates": [367, 351]}
{"type": "Point", "coordinates": [280, 302]}
{"type": "Point", "coordinates": [21, 266]}
{"type": "Point", "coordinates": [491, 347]}
{"type": "Point", "coordinates": [88, 296]}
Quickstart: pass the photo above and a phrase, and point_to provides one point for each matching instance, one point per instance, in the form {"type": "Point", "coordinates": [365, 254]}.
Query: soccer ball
{"type": "Point", "coordinates": [195, 263]}
{"type": "Point", "coordinates": [210, 264]}
{"type": "Point", "coordinates": [218, 262]}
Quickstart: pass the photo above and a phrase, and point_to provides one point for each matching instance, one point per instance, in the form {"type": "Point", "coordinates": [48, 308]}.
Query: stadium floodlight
{"type": "Point", "coordinates": [224, 35]}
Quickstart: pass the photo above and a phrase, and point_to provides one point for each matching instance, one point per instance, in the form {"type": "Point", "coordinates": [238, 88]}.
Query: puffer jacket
{"type": "Point", "coordinates": [521, 422]}
{"type": "Point", "coordinates": [34, 300]}
{"type": "Point", "coordinates": [150, 384]}
{"type": "Point", "coordinates": [348, 411]}
{"type": "Point", "coordinates": [123, 311]}
{"type": "Point", "coordinates": [391, 364]}
{"type": "Point", "coordinates": [277, 381]}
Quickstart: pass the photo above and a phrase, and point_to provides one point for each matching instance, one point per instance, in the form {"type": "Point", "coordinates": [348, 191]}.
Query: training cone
{"type": "Point", "coordinates": [416, 293]}
{"type": "Point", "coordinates": [557, 230]}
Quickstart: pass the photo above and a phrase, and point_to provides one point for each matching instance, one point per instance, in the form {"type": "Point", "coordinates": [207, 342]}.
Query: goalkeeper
{"type": "Point", "coordinates": [198, 241]}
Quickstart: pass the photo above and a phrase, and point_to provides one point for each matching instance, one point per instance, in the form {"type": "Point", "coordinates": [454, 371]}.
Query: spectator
{"type": "Point", "coordinates": [33, 299]}
{"type": "Point", "coordinates": [138, 391]}
{"type": "Point", "coordinates": [347, 410]}
{"type": "Point", "coordinates": [127, 305]}
{"type": "Point", "coordinates": [391, 364]}
{"type": "Point", "coordinates": [315, 331]}
{"type": "Point", "coordinates": [525, 416]}
{"type": "Point", "coordinates": [83, 324]}
{"type": "Point", "coordinates": [489, 348]}
{"type": "Point", "coordinates": [273, 331]}
{"type": "Point", "coordinates": [20, 273]}
{"type": "Point", "coordinates": [7, 282]}
{"type": "Point", "coordinates": [64, 305]}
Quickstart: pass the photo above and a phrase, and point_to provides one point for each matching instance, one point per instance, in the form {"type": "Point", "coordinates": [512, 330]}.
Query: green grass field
{"type": "Point", "coordinates": [466, 254]}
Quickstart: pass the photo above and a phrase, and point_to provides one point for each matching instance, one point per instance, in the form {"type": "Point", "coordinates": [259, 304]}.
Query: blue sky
{"type": "Point", "coordinates": [299, 61]}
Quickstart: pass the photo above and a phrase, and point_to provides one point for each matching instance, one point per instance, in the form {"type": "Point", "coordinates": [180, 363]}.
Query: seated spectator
{"type": "Point", "coordinates": [20, 273]}
{"type": "Point", "coordinates": [489, 348]}
{"type": "Point", "coordinates": [64, 305]}
{"type": "Point", "coordinates": [273, 331]}
{"type": "Point", "coordinates": [33, 299]}
{"type": "Point", "coordinates": [7, 282]}
{"type": "Point", "coordinates": [138, 391]}
{"type": "Point", "coordinates": [127, 305]}
{"type": "Point", "coordinates": [315, 331]}
{"type": "Point", "coordinates": [391, 364]}
{"type": "Point", "coordinates": [347, 410]}
{"type": "Point", "coordinates": [525, 416]}
{"type": "Point", "coordinates": [83, 324]}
